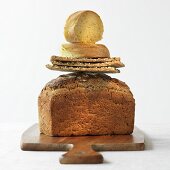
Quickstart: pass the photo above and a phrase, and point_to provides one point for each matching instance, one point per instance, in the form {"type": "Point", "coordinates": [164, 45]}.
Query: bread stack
{"type": "Point", "coordinates": [87, 101]}
{"type": "Point", "coordinates": [82, 30]}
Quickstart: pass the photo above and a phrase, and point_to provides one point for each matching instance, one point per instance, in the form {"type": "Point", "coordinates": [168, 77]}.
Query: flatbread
{"type": "Point", "coordinates": [85, 60]}
{"type": "Point", "coordinates": [88, 69]}
{"type": "Point", "coordinates": [115, 64]}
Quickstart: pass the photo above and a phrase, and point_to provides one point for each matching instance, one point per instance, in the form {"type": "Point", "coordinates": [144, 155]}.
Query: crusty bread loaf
{"type": "Point", "coordinates": [86, 104]}
{"type": "Point", "coordinates": [81, 50]}
{"type": "Point", "coordinates": [83, 26]}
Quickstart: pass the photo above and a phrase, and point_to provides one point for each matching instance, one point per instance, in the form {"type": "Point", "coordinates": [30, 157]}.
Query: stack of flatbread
{"type": "Point", "coordinates": [82, 30]}
{"type": "Point", "coordinates": [108, 65]}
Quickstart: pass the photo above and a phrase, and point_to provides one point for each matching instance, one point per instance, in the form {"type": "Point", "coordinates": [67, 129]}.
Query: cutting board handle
{"type": "Point", "coordinates": [81, 154]}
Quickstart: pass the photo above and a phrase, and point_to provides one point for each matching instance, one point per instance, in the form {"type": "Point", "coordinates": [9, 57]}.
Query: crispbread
{"type": "Point", "coordinates": [82, 69]}
{"type": "Point", "coordinates": [85, 60]}
{"type": "Point", "coordinates": [115, 64]}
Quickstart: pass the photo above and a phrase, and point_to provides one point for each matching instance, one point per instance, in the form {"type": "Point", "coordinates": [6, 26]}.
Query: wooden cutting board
{"type": "Point", "coordinates": [82, 149]}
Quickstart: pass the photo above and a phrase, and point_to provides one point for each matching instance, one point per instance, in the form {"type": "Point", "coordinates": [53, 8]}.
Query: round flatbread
{"type": "Point", "coordinates": [85, 60]}
{"type": "Point", "coordinates": [116, 64]}
{"type": "Point", "coordinates": [82, 69]}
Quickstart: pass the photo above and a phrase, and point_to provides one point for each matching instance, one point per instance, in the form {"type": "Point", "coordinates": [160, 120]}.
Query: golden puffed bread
{"type": "Point", "coordinates": [83, 26]}
{"type": "Point", "coordinates": [82, 69]}
{"type": "Point", "coordinates": [81, 50]}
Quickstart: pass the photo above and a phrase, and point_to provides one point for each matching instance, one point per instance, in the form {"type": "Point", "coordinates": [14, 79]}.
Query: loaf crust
{"type": "Point", "coordinates": [83, 26]}
{"type": "Point", "coordinates": [86, 104]}
{"type": "Point", "coordinates": [81, 50]}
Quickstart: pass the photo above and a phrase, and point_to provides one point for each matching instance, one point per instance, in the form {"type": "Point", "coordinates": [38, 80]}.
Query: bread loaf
{"type": "Point", "coordinates": [86, 104]}
{"type": "Point", "coordinates": [81, 50]}
{"type": "Point", "coordinates": [83, 26]}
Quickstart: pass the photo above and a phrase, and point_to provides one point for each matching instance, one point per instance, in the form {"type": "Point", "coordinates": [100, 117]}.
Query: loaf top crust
{"type": "Point", "coordinates": [90, 81]}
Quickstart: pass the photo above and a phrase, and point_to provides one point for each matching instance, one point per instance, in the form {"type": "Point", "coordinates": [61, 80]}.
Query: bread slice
{"type": "Point", "coordinates": [81, 50]}
{"type": "Point", "coordinates": [83, 26]}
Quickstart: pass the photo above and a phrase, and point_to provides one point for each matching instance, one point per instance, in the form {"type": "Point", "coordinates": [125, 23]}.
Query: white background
{"type": "Point", "coordinates": [137, 30]}
{"type": "Point", "coordinates": [32, 30]}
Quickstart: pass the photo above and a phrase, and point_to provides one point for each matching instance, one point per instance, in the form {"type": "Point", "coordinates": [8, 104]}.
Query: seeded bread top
{"type": "Point", "coordinates": [87, 80]}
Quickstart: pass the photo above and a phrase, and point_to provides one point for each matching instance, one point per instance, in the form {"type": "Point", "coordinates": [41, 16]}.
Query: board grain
{"type": "Point", "coordinates": [82, 149]}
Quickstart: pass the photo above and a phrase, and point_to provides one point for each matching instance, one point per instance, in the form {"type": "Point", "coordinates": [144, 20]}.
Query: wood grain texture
{"type": "Point", "coordinates": [82, 149]}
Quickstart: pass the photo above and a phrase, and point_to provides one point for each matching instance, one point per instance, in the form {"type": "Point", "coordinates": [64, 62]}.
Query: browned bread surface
{"type": "Point", "coordinates": [86, 104]}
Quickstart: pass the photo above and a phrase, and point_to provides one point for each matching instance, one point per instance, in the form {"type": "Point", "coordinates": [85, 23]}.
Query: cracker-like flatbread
{"type": "Point", "coordinates": [88, 69]}
{"type": "Point", "coordinates": [85, 60]}
{"type": "Point", "coordinates": [116, 64]}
